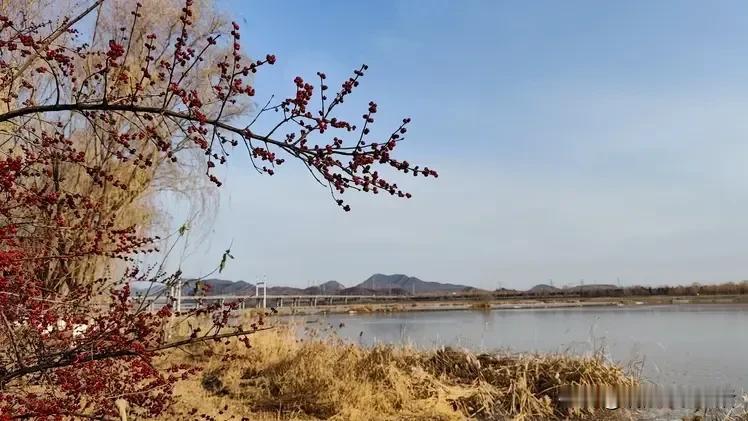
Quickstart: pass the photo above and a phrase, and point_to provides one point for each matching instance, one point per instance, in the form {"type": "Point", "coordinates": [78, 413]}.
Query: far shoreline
{"type": "Point", "coordinates": [405, 306]}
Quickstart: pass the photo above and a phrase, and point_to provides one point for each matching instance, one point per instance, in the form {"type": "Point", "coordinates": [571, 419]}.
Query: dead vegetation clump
{"type": "Point", "coordinates": [519, 386]}
{"type": "Point", "coordinates": [281, 377]}
{"type": "Point", "coordinates": [481, 306]}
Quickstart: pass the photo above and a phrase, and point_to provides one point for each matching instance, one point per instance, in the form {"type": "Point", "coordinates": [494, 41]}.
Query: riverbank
{"type": "Point", "coordinates": [508, 304]}
{"type": "Point", "coordinates": [282, 378]}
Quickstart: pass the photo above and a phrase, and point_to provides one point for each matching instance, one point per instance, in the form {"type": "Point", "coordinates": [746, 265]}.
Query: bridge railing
{"type": "Point", "coordinates": [263, 301]}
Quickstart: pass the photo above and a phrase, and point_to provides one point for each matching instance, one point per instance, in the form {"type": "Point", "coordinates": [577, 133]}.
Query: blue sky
{"type": "Point", "coordinates": [574, 140]}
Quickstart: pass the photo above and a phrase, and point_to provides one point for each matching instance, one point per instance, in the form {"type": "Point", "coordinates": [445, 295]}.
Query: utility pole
{"type": "Point", "coordinates": [264, 291]}
{"type": "Point", "coordinates": [176, 294]}
{"type": "Point", "coordinates": [262, 283]}
{"type": "Point", "coordinates": [179, 295]}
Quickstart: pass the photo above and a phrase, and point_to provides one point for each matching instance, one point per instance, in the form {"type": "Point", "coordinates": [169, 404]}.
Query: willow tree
{"type": "Point", "coordinates": [137, 204]}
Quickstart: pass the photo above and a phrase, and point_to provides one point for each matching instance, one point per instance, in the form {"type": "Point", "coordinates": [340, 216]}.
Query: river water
{"type": "Point", "coordinates": [696, 345]}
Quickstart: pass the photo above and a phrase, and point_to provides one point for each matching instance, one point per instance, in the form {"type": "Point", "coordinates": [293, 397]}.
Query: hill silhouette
{"type": "Point", "coordinates": [542, 289]}
{"type": "Point", "coordinates": [408, 284]}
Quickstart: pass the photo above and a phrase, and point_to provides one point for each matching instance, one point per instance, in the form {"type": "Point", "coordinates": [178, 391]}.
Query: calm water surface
{"type": "Point", "coordinates": [682, 344]}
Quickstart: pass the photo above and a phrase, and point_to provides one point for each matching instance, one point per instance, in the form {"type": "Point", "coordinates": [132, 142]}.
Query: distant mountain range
{"type": "Point", "coordinates": [375, 284]}
{"type": "Point", "coordinates": [397, 284]}
{"type": "Point", "coordinates": [225, 287]}
{"type": "Point", "coordinates": [327, 288]}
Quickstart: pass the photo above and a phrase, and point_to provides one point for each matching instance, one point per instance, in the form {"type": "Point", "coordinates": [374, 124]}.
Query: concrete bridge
{"type": "Point", "coordinates": [185, 302]}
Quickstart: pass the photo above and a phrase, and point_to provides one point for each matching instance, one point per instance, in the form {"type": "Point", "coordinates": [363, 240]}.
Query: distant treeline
{"type": "Point", "coordinates": [729, 288]}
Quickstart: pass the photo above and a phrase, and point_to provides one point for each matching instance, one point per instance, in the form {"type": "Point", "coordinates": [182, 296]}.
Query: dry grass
{"type": "Point", "coordinates": [281, 377]}
{"type": "Point", "coordinates": [481, 306]}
